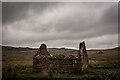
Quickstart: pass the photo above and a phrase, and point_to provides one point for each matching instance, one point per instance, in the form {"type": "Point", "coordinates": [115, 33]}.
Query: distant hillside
{"type": "Point", "coordinates": [64, 49]}
{"type": "Point", "coordinates": [116, 48]}
{"type": "Point", "coordinates": [10, 48]}
{"type": "Point", "coordinates": [53, 51]}
{"type": "Point", "coordinates": [107, 54]}
{"type": "Point", "coordinates": [58, 51]}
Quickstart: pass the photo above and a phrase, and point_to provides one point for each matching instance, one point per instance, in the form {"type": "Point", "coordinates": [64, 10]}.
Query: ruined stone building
{"type": "Point", "coordinates": [42, 60]}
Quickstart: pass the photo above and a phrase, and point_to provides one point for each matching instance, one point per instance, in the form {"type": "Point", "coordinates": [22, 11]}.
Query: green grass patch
{"type": "Point", "coordinates": [27, 72]}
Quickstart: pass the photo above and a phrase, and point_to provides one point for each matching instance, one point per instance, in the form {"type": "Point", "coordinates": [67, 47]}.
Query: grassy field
{"type": "Point", "coordinates": [108, 70]}
{"type": "Point", "coordinates": [18, 64]}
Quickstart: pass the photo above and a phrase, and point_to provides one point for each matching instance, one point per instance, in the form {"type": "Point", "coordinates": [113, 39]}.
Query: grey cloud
{"type": "Point", "coordinates": [108, 18]}
{"type": "Point", "coordinates": [111, 15]}
{"type": "Point", "coordinates": [14, 11]}
{"type": "Point", "coordinates": [62, 24]}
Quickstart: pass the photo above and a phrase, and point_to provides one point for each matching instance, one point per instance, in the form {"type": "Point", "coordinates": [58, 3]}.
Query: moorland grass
{"type": "Point", "coordinates": [18, 72]}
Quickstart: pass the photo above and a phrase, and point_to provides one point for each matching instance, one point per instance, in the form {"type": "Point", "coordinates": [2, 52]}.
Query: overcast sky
{"type": "Point", "coordinates": [62, 24]}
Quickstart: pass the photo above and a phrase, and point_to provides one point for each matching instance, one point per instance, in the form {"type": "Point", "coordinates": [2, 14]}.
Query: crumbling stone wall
{"type": "Point", "coordinates": [65, 65]}
{"type": "Point", "coordinates": [83, 55]}
{"type": "Point", "coordinates": [43, 61]}
{"type": "Point", "coordinates": [43, 50]}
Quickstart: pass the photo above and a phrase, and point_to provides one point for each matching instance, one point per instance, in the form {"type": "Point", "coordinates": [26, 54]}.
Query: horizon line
{"type": "Point", "coordinates": [62, 47]}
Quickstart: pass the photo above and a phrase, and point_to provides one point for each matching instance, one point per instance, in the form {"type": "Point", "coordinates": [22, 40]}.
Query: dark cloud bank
{"type": "Point", "coordinates": [61, 24]}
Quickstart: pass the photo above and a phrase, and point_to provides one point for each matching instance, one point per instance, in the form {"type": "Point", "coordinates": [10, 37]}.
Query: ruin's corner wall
{"type": "Point", "coordinates": [84, 57]}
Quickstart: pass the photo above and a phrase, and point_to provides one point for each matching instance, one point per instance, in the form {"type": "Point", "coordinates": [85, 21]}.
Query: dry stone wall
{"type": "Point", "coordinates": [43, 61]}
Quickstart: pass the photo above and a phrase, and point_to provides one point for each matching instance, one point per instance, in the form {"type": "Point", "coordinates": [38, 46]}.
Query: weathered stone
{"type": "Point", "coordinates": [43, 61]}
{"type": "Point", "coordinates": [83, 55]}
{"type": "Point", "coordinates": [43, 50]}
